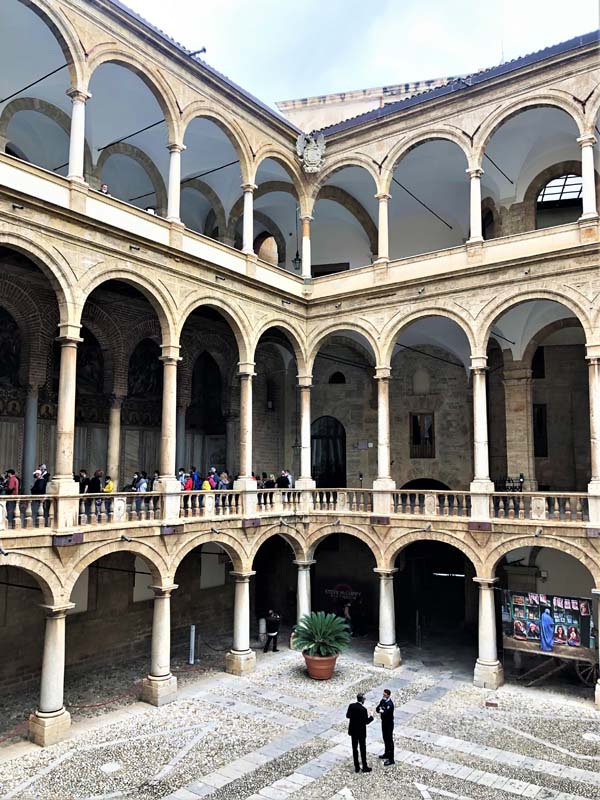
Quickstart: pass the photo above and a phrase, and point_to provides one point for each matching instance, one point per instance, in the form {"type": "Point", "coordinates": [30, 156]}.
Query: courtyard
{"type": "Point", "coordinates": [275, 734]}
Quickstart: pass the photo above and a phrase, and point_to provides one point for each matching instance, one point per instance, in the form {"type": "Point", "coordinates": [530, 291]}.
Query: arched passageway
{"type": "Point", "coordinates": [276, 581]}
{"type": "Point", "coordinates": [328, 447]}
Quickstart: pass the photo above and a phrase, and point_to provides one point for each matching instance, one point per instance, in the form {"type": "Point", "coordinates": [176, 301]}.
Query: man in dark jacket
{"type": "Point", "coordinates": [273, 620]}
{"type": "Point", "coordinates": [357, 730]}
{"type": "Point", "coordinates": [385, 709]}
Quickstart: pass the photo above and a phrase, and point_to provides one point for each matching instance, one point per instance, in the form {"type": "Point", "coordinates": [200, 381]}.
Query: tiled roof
{"type": "Point", "coordinates": [464, 84]}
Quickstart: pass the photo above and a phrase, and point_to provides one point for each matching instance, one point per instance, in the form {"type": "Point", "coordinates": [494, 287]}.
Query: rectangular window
{"type": "Point", "coordinates": [422, 439]}
{"type": "Point", "coordinates": [540, 431]}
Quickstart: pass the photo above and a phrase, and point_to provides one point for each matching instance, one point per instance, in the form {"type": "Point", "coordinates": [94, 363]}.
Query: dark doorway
{"type": "Point", "coordinates": [276, 580]}
{"type": "Point", "coordinates": [422, 484]}
{"type": "Point", "coordinates": [328, 444]}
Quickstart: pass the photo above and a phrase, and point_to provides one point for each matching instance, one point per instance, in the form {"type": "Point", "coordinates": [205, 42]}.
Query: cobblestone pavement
{"type": "Point", "coordinates": [275, 734]}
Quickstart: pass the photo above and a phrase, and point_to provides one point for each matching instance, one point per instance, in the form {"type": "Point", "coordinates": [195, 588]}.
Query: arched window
{"type": "Point", "coordinates": [559, 201]}
{"type": "Point", "coordinates": [337, 377]}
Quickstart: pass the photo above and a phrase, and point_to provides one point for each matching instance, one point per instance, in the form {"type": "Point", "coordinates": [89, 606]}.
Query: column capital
{"type": "Point", "coordinates": [242, 577]}
{"type": "Point", "coordinates": [478, 363]}
{"type": "Point", "coordinates": [382, 373]}
{"type": "Point", "coordinates": [116, 400]}
{"type": "Point", "coordinates": [78, 94]}
{"type": "Point", "coordinates": [385, 574]}
{"type": "Point", "coordinates": [306, 218]}
{"type": "Point", "coordinates": [164, 591]}
{"type": "Point", "coordinates": [170, 353]}
{"type": "Point", "coordinates": [485, 583]}
{"type": "Point", "coordinates": [249, 187]}
{"type": "Point", "coordinates": [383, 196]}
{"type": "Point", "coordinates": [304, 381]}
{"type": "Point", "coordinates": [246, 368]}
{"type": "Point", "coordinates": [474, 172]}
{"type": "Point", "coordinates": [592, 352]}
{"type": "Point", "coordinates": [68, 331]}
{"type": "Point", "coordinates": [175, 147]}
{"type": "Point", "coordinates": [57, 611]}
{"type": "Point", "coordinates": [304, 564]}
{"type": "Point", "coordinates": [587, 140]}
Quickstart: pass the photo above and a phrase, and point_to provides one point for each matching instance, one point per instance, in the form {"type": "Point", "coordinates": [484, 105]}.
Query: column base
{"type": "Point", "coordinates": [171, 499]}
{"type": "Point", "coordinates": [240, 662]}
{"type": "Point", "coordinates": [488, 675]}
{"type": "Point", "coordinates": [49, 728]}
{"type": "Point", "coordinates": [387, 656]}
{"type": "Point", "coordinates": [250, 498]}
{"type": "Point", "coordinates": [382, 496]}
{"type": "Point", "coordinates": [305, 483]}
{"type": "Point", "coordinates": [159, 691]}
{"type": "Point", "coordinates": [480, 499]}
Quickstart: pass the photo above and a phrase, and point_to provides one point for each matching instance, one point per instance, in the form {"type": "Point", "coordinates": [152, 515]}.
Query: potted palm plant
{"type": "Point", "coordinates": [321, 638]}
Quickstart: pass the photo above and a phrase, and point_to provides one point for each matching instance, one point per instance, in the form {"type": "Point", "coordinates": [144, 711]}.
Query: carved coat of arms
{"type": "Point", "coordinates": [310, 149]}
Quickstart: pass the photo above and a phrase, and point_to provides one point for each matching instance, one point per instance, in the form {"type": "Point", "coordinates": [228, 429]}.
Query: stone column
{"type": "Point", "coordinates": [519, 423]}
{"type": "Point", "coordinates": [383, 484]}
{"type": "Point", "coordinates": [30, 422]}
{"type": "Point", "coordinates": [232, 426]}
{"type": "Point", "coordinates": [588, 177]}
{"type": "Point", "coordinates": [305, 481]}
{"type": "Point", "coordinates": [596, 594]}
{"type": "Point", "coordinates": [594, 392]}
{"type": "Point", "coordinates": [180, 436]}
{"type": "Point", "coordinates": [168, 483]}
{"type": "Point", "coordinates": [77, 137]}
{"type": "Point", "coordinates": [306, 255]}
{"type": "Point", "coordinates": [160, 686]}
{"type": "Point", "coordinates": [383, 239]}
{"type": "Point", "coordinates": [113, 454]}
{"type": "Point", "coordinates": [248, 219]}
{"type": "Point", "coordinates": [51, 722]}
{"type": "Point", "coordinates": [246, 482]}
{"type": "Point", "coordinates": [481, 486]}
{"type": "Point", "coordinates": [241, 658]}
{"type": "Point", "coordinates": [489, 673]}
{"type": "Point", "coordinates": [303, 600]}
{"type": "Point", "coordinates": [174, 188]}
{"type": "Point", "coordinates": [476, 236]}
{"type": "Point", "coordinates": [387, 652]}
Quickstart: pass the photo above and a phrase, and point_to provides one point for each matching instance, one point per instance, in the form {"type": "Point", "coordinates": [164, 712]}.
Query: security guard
{"type": "Point", "coordinates": [385, 709]}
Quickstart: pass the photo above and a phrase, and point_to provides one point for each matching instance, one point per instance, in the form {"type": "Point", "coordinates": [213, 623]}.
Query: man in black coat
{"type": "Point", "coordinates": [385, 709]}
{"type": "Point", "coordinates": [273, 620]}
{"type": "Point", "coordinates": [357, 730]}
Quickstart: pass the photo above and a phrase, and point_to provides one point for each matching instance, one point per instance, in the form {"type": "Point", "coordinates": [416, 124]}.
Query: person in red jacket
{"type": "Point", "coordinates": [12, 489]}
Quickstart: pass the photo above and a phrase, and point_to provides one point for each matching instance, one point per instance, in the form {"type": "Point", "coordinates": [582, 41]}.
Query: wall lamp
{"type": "Point", "coordinates": [133, 247]}
{"type": "Point", "coordinates": [215, 530]}
{"type": "Point", "coordinates": [220, 278]}
{"type": "Point", "coordinates": [338, 305]}
{"type": "Point", "coordinates": [286, 302]}
{"type": "Point", "coordinates": [3, 552]}
{"type": "Point", "coordinates": [125, 538]}
{"type": "Point", "coordinates": [17, 207]}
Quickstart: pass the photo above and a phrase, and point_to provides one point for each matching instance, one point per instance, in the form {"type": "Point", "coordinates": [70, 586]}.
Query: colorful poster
{"type": "Point", "coordinates": [549, 625]}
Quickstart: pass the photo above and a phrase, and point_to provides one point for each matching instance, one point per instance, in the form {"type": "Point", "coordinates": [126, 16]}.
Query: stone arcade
{"type": "Point", "coordinates": [436, 337]}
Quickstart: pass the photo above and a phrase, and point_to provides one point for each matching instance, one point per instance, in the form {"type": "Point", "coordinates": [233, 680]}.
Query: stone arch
{"type": "Point", "coordinates": [357, 210]}
{"type": "Point", "coordinates": [273, 229]}
{"type": "Point", "coordinates": [60, 274]}
{"type": "Point", "coordinates": [403, 148]}
{"type": "Point", "coordinates": [296, 175]}
{"type": "Point", "coordinates": [507, 300]}
{"type": "Point", "coordinates": [198, 109]}
{"type": "Point", "coordinates": [593, 109]}
{"type": "Point", "coordinates": [267, 187]}
{"type": "Point", "coordinates": [191, 349]}
{"type": "Point", "coordinates": [235, 316]}
{"type": "Point", "coordinates": [108, 334]}
{"type": "Point", "coordinates": [289, 534]}
{"type": "Point", "coordinates": [145, 329]}
{"type": "Point", "coordinates": [541, 179]}
{"type": "Point", "coordinates": [25, 313]}
{"type": "Point", "coordinates": [161, 576]}
{"type": "Point", "coordinates": [64, 33]}
{"type": "Point", "coordinates": [564, 545]}
{"type": "Point", "coordinates": [62, 119]}
{"type": "Point", "coordinates": [150, 288]}
{"type": "Point", "coordinates": [294, 337]}
{"type": "Point", "coordinates": [396, 325]}
{"type": "Point", "coordinates": [395, 547]}
{"type": "Point", "coordinates": [317, 536]}
{"type": "Point", "coordinates": [544, 332]}
{"type": "Point", "coordinates": [215, 204]}
{"type": "Point", "coordinates": [550, 98]}
{"type": "Point", "coordinates": [146, 163]}
{"type": "Point", "coordinates": [230, 544]}
{"type": "Point", "coordinates": [160, 88]}
{"type": "Point", "coordinates": [45, 575]}
{"type": "Point", "coordinates": [353, 160]}
{"type": "Point", "coordinates": [317, 338]}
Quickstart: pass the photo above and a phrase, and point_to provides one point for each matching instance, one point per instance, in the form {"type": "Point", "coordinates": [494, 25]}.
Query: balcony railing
{"type": "Point", "coordinates": [37, 512]}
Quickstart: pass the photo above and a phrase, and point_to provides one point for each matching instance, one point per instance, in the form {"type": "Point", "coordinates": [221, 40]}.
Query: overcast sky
{"type": "Point", "coordinates": [279, 49]}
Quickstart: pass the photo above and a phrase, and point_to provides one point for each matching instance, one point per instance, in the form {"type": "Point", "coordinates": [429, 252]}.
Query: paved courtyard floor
{"type": "Point", "coordinates": [275, 734]}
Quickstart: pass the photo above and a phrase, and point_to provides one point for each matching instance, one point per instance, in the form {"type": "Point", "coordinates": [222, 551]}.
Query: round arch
{"type": "Point", "coordinates": [404, 147]}
{"type": "Point", "coordinates": [230, 127]}
{"type": "Point", "coordinates": [240, 559]}
{"type": "Point", "coordinates": [265, 188]}
{"type": "Point", "coordinates": [64, 34]}
{"type": "Point", "coordinates": [294, 337]}
{"type": "Point", "coordinates": [317, 339]}
{"type": "Point", "coordinates": [397, 324]}
{"type": "Point", "coordinates": [216, 205]}
{"type": "Point", "coordinates": [289, 535]}
{"type": "Point", "coordinates": [563, 545]}
{"type": "Point", "coordinates": [46, 576]}
{"type": "Point", "coordinates": [504, 303]}
{"type": "Point", "coordinates": [157, 85]}
{"type": "Point", "coordinates": [235, 316]}
{"type": "Point", "coordinates": [149, 288]}
{"type": "Point", "coordinates": [543, 333]}
{"type": "Point", "coordinates": [395, 547]}
{"type": "Point", "coordinates": [146, 163]}
{"type": "Point", "coordinates": [353, 160]}
{"type": "Point", "coordinates": [155, 561]}
{"type": "Point", "coordinates": [296, 176]}
{"type": "Point", "coordinates": [555, 99]}
{"type": "Point", "coordinates": [318, 535]}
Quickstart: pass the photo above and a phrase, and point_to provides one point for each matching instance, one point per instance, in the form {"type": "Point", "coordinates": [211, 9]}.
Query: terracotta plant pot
{"type": "Point", "coordinates": [320, 667]}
